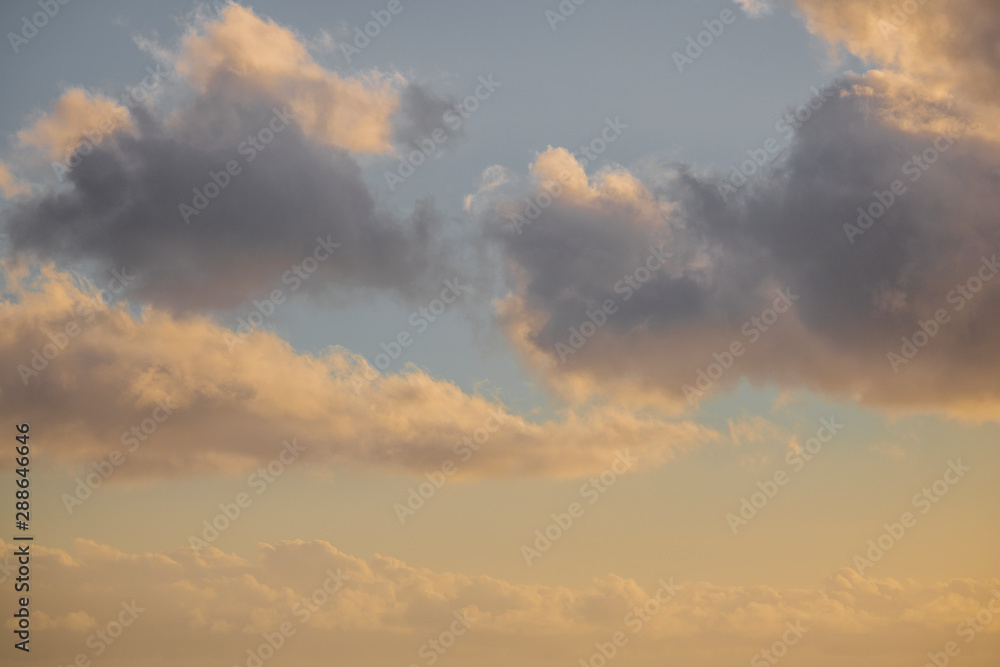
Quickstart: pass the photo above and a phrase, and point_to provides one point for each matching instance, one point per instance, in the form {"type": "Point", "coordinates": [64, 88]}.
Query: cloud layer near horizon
{"type": "Point", "coordinates": [209, 607]}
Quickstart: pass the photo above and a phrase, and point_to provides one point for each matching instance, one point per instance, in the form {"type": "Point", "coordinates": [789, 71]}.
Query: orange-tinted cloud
{"type": "Point", "coordinates": [258, 54]}
{"type": "Point", "coordinates": [10, 185]}
{"type": "Point", "coordinates": [213, 408]}
{"type": "Point", "coordinates": [76, 115]}
{"type": "Point", "coordinates": [211, 607]}
{"type": "Point", "coordinates": [937, 62]}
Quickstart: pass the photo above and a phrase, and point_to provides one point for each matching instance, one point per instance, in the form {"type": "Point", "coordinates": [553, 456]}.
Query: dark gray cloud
{"type": "Point", "coordinates": [731, 254]}
{"type": "Point", "coordinates": [122, 206]}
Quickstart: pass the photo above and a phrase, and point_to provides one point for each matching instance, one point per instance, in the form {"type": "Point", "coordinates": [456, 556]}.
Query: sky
{"type": "Point", "coordinates": [403, 333]}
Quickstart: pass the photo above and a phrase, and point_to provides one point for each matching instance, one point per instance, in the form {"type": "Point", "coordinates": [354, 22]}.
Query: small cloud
{"type": "Point", "coordinates": [753, 429]}
{"type": "Point", "coordinates": [891, 449]}
{"type": "Point", "coordinates": [755, 8]}
{"type": "Point", "coordinates": [11, 186]}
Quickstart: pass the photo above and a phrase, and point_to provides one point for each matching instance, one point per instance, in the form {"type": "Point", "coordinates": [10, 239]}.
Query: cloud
{"type": "Point", "coordinates": [755, 7]}
{"type": "Point", "coordinates": [855, 296]}
{"type": "Point", "coordinates": [75, 115]}
{"type": "Point", "coordinates": [101, 372]}
{"type": "Point", "coordinates": [938, 61]}
{"type": "Point", "coordinates": [754, 429]}
{"type": "Point", "coordinates": [244, 50]}
{"type": "Point", "coordinates": [210, 607]}
{"type": "Point", "coordinates": [423, 112]}
{"type": "Point", "coordinates": [732, 254]}
{"type": "Point", "coordinates": [210, 197]}
{"type": "Point", "coordinates": [10, 185]}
